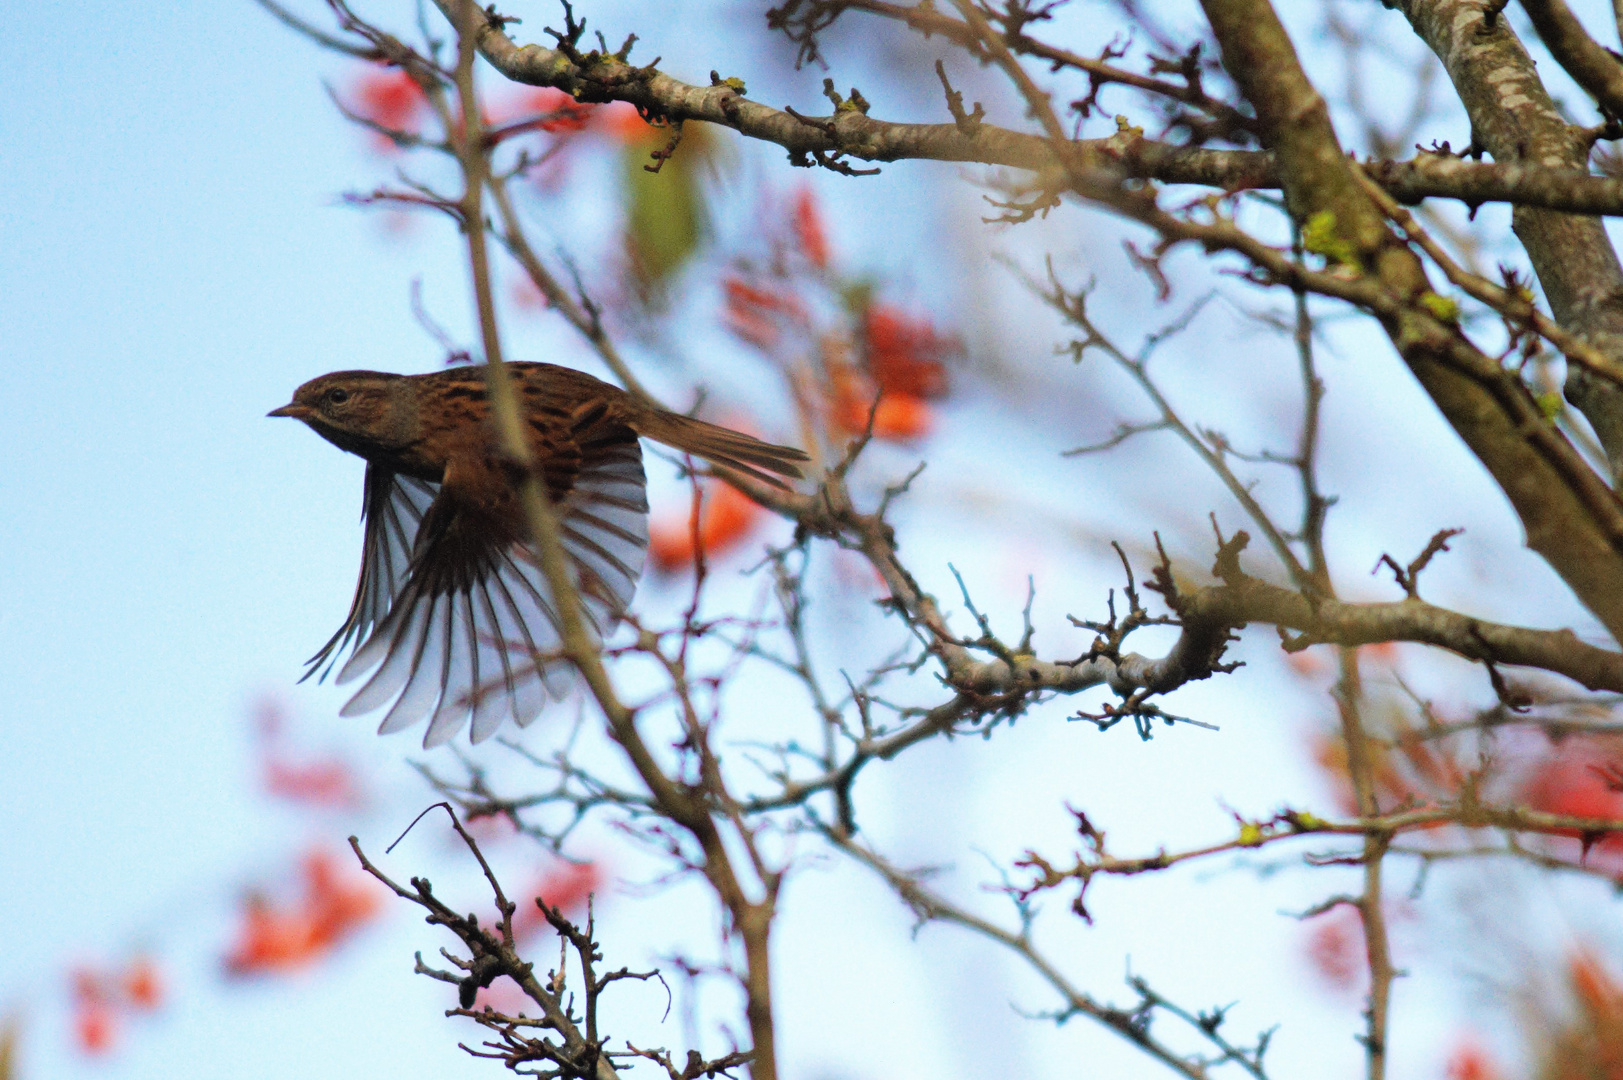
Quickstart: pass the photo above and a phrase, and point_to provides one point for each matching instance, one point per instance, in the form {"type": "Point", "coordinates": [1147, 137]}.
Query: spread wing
{"type": "Point", "coordinates": [392, 509]}
{"type": "Point", "coordinates": [471, 633]}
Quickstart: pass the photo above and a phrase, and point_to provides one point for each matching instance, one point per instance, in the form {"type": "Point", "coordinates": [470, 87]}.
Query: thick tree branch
{"type": "Point", "coordinates": [989, 678]}
{"type": "Point", "coordinates": [1546, 479]}
{"type": "Point", "coordinates": [1570, 517]}
{"type": "Point", "coordinates": [851, 133]}
{"type": "Point", "coordinates": [691, 807]}
{"type": "Point", "coordinates": [1247, 600]}
{"type": "Point", "coordinates": [803, 21]}
{"type": "Point", "coordinates": [1477, 182]}
{"type": "Point", "coordinates": [1514, 119]}
{"type": "Point", "coordinates": [1591, 66]}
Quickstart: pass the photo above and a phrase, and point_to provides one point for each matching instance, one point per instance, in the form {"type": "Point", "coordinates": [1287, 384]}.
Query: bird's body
{"type": "Point", "coordinates": [451, 609]}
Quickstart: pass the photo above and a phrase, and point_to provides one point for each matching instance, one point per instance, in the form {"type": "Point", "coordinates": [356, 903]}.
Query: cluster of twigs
{"type": "Point", "coordinates": [1355, 243]}
{"type": "Point", "coordinates": [558, 1043]}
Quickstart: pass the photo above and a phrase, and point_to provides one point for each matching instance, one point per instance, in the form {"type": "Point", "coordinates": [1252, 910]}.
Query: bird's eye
{"type": "Point", "coordinates": [337, 396]}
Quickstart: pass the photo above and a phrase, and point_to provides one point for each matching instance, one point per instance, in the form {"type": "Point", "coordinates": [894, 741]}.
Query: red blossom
{"type": "Point", "coordinates": [1335, 947]}
{"type": "Point", "coordinates": [270, 939]}
{"type": "Point", "coordinates": [1384, 653]}
{"type": "Point", "coordinates": [1578, 779]}
{"type": "Point", "coordinates": [88, 985]}
{"type": "Point", "coordinates": [503, 996]}
{"type": "Point", "coordinates": [1470, 1061]}
{"type": "Point", "coordinates": [757, 313]}
{"type": "Point", "coordinates": [569, 888]}
{"type": "Point", "coordinates": [1411, 769]}
{"type": "Point", "coordinates": [101, 1000]}
{"type": "Point", "coordinates": [1575, 782]}
{"type": "Point", "coordinates": [904, 355]}
{"type": "Point", "coordinates": [339, 900]}
{"type": "Point", "coordinates": [489, 830]}
{"type": "Point", "coordinates": [1591, 1043]}
{"type": "Point", "coordinates": [95, 1027]}
{"type": "Point", "coordinates": [95, 1022]}
{"type": "Point", "coordinates": [1309, 663]}
{"type": "Point", "coordinates": [810, 234]}
{"type": "Point", "coordinates": [751, 325]}
{"type": "Point", "coordinates": [622, 120]}
{"type": "Point", "coordinates": [322, 783]}
{"type": "Point", "coordinates": [726, 517]}
{"type": "Point", "coordinates": [564, 112]}
{"type": "Point", "coordinates": [1598, 993]}
{"type": "Point", "coordinates": [564, 886]}
{"type": "Point", "coordinates": [856, 575]}
{"type": "Point", "coordinates": [550, 110]}
{"type": "Point", "coordinates": [525, 295]}
{"type": "Point", "coordinates": [143, 985]}
{"type": "Point", "coordinates": [898, 417]}
{"type": "Point", "coordinates": [335, 904]}
{"type": "Point", "coordinates": [390, 99]}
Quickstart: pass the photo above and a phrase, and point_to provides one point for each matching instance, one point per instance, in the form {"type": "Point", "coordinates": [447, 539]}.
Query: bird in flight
{"type": "Point", "coordinates": [453, 619]}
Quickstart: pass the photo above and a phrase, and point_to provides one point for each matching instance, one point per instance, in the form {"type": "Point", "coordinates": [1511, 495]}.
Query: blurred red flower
{"type": "Point", "coordinates": [1581, 778]}
{"type": "Point", "coordinates": [327, 782]}
{"type": "Point", "coordinates": [1335, 947]}
{"type": "Point", "coordinates": [389, 98]}
{"type": "Point", "coordinates": [757, 313]}
{"type": "Point", "coordinates": [143, 986]}
{"type": "Point", "coordinates": [904, 355]}
{"type": "Point", "coordinates": [270, 939]}
{"type": "Point", "coordinates": [1470, 1062]}
{"type": "Point", "coordinates": [1408, 770]}
{"type": "Point", "coordinates": [1597, 992]}
{"type": "Point", "coordinates": [339, 900]}
{"type": "Point", "coordinates": [726, 517]}
{"type": "Point", "coordinates": [810, 234]}
{"type": "Point", "coordinates": [564, 886]}
{"type": "Point", "coordinates": [323, 783]}
{"type": "Point", "coordinates": [621, 120]}
{"type": "Point", "coordinates": [335, 904]}
{"type": "Point", "coordinates": [1309, 663]}
{"type": "Point", "coordinates": [1588, 1044]}
{"type": "Point", "coordinates": [564, 112]}
{"type": "Point", "coordinates": [503, 996]}
{"type": "Point", "coordinates": [525, 295]}
{"type": "Point", "coordinates": [1380, 652]}
{"type": "Point", "coordinates": [101, 998]}
{"type": "Point", "coordinates": [94, 1027]}
{"type": "Point", "coordinates": [897, 417]}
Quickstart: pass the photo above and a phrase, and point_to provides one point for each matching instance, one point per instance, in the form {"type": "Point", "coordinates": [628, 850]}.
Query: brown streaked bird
{"type": "Point", "coordinates": [452, 616]}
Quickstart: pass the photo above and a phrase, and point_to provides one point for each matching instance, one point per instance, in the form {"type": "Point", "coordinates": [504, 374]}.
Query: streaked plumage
{"type": "Point", "coordinates": [452, 618]}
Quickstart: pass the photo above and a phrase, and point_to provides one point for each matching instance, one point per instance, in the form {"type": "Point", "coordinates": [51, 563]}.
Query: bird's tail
{"type": "Point", "coordinates": [723, 446]}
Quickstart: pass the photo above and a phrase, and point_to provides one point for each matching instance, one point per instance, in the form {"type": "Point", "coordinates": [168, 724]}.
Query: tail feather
{"type": "Point", "coordinates": [723, 446]}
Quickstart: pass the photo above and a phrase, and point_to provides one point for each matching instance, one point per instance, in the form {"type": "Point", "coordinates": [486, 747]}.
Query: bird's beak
{"type": "Point", "coordinates": [297, 411]}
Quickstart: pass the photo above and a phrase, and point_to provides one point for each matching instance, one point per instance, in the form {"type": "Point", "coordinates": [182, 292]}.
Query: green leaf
{"type": "Point", "coordinates": [666, 216]}
{"type": "Point", "coordinates": [1550, 404]}
{"type": "Point", "coordinates": [1443, 307]}
{"type": "Point", "coordinates": [1320, 237]}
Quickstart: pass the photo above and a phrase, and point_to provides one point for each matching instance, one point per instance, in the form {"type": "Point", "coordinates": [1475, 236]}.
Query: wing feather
{"type": "Point", "coordinates": [453, 620]}
{"type": "Point", "coordinates": [392, 508]}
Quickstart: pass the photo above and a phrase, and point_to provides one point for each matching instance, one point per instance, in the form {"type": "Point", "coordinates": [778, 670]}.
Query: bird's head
{"type": "Point", "coordinates": [364, 412]}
